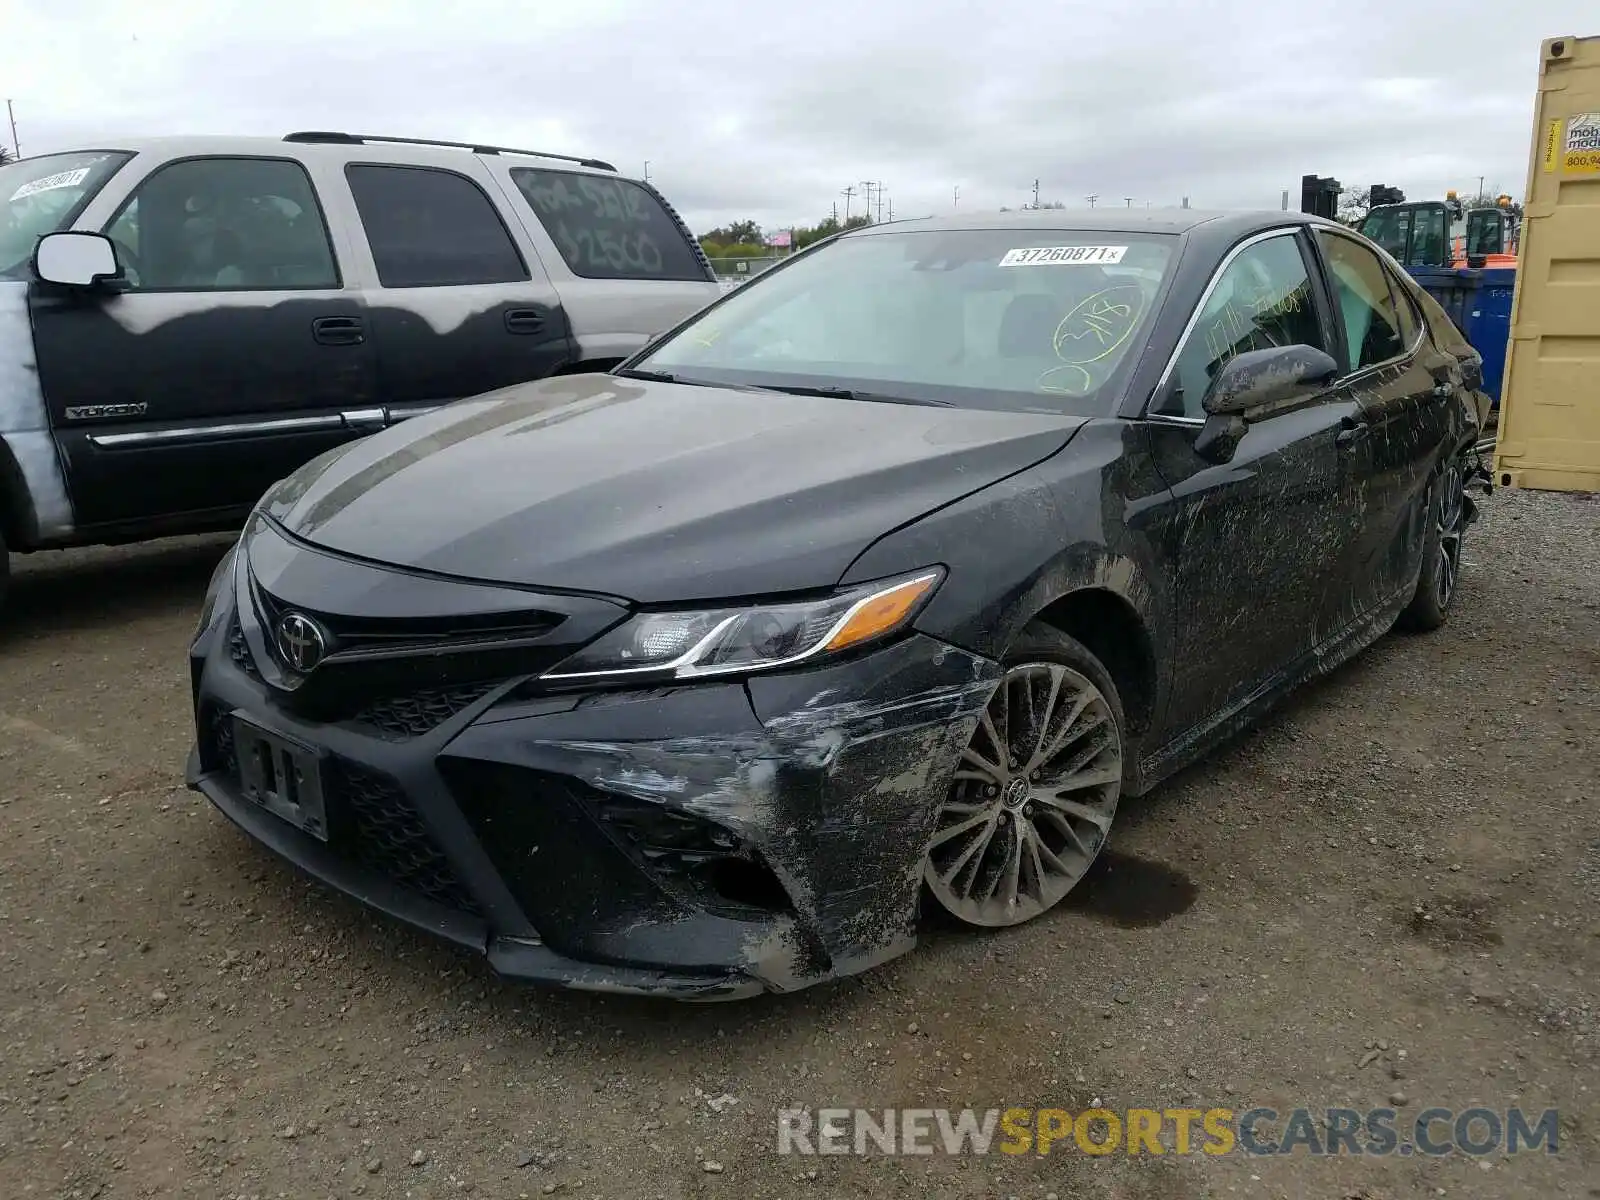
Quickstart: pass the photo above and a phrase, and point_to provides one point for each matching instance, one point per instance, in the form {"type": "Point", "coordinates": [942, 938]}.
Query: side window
{"type": "Point", "coordinates": [1262, 299]}
{"type": "Point", "coordinates": [225, 224]}
{"type": "Point", "coordinates": [1405, 309]}
{"type": "Point", "coordinates": [1428, 242]}
{"type": "Point", "coordinates": [1390, 228]}
{"type": "Point", "coordinates": [1367, 309]}
{"type": "Point", "coordinates": [432, 228]}
{"type": "Point", "coordinates": [609, 228]}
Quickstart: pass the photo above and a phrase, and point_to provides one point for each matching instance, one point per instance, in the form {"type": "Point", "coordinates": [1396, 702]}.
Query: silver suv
{"type": "Point", "coordinates": [184, 321]}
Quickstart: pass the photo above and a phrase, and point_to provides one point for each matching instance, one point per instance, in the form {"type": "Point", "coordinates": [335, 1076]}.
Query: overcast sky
{"type": "Point", "coordinates": [768, 110]}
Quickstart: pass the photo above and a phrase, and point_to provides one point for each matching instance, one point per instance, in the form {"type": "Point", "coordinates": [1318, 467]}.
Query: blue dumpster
{"type": "Point", "coordinates": [1479, 302]}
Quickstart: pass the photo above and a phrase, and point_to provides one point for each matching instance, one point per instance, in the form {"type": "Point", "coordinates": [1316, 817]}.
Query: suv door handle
{"type": "Point", "coordinates": [338, 331]}
{"type": "Point", "coordinates": [524, 320]}
{"type": "Point", "coordinates": [1355, 431]}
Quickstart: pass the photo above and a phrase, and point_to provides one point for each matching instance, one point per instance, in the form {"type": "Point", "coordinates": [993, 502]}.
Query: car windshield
{"type": "Point", "coordinates": [1034, 319]}
{"type": "Point", "coordinates": [42, 195]}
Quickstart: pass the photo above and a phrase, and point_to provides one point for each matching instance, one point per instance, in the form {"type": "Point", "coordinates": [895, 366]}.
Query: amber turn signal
{"type": "Point", "coordinates": [881, 613]}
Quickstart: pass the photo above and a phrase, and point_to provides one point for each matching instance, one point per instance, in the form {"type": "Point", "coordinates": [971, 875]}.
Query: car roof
{"type": "Point", "coordinates": [1222, 225]}
{"type": "Point", "coordinates": [372, 147]}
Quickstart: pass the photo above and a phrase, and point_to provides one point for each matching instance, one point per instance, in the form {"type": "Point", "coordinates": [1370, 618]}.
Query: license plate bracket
{"type": "Point", "coordinates": [283, 776]}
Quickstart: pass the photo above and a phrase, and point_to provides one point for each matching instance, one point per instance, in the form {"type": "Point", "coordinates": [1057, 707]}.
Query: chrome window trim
{"type": "Point", "coordinates": [1194, 319]}
{"type": "Point", "coordinates": [200, 433]}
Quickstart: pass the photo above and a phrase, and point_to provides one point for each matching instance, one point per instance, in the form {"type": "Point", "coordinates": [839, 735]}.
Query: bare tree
{"type": "Point", "coordinates": [1354, 204]}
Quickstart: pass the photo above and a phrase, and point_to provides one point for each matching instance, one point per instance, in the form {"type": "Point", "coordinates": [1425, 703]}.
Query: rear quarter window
{"type": "Point", "coordinates": [609, 228]}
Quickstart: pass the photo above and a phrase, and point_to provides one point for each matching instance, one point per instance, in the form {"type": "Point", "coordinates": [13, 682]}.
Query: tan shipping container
{"type": "Point", "coordinates": [1550, 404]}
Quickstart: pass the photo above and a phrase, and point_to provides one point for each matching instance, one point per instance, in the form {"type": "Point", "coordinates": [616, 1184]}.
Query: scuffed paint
{"type": "Point", "coordinates": [836, 799]}
{"type": "Point", "coordinates": [24, 423]}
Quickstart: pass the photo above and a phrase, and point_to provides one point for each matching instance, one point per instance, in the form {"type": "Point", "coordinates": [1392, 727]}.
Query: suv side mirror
{"type": "Point", "coordinates": [1256, 384]}
{"type": "Point", "coordinates": [78, 260]}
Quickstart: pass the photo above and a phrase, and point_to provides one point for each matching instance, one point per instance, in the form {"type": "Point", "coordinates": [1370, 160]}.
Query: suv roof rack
{"type": "Point", "coordinates": [327, 137]}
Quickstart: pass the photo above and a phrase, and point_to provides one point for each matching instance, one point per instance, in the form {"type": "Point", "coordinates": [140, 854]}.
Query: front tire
{"type": "Point", "coordinates": [1036, 792]}
{"type": "Point", "coordinates": [1441, 552]}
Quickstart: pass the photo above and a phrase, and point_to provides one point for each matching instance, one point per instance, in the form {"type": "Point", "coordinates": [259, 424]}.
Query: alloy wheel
{"type": "Point", "coordinates": [1032, 800]}
{"type": "Point", "coordinates": [1451, 526]}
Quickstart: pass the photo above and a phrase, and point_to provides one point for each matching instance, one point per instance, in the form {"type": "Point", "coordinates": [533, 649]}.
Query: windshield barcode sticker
{"type": "Point", "coordinates": [51, 182]}
{"type": "Point", "coordinates": [1062, 256]}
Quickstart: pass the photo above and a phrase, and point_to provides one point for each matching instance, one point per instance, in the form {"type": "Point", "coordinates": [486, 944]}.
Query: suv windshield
{"type": "Point", "coordinates": [42, 195]}
{"type": "Point", "coordinates": [1033, 319]}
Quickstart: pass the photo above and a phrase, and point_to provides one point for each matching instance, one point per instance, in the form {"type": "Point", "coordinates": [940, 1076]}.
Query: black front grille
{"type": "Point", "coordinates": [411, 715]}
{"type": "Point", "coordinates": [239, 649]}
{"type": "Point", "coordinates": [386, 835]}
{"type": "Point", "coordinates": [371, 822]}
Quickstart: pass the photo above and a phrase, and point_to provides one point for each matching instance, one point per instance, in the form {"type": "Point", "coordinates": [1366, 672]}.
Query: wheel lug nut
{"type": "Point", "coordinates": [991, 790]}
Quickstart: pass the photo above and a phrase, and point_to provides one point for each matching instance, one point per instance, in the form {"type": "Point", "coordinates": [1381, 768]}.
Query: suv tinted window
{"type": "Point", "coordinates": [1366, 307]}
{"type": "Point", "coordinates": [1262, 299]}
{"type": "Point", "coordinates": [609, 228]}
{"type": "Point", "coordinates": [224, 224]}
{"type": "Point", "coordinates": [432, 228]}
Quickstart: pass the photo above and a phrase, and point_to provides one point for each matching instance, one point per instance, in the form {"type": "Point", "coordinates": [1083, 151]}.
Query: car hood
{"type": "Point", "coordinates": [653, 492]}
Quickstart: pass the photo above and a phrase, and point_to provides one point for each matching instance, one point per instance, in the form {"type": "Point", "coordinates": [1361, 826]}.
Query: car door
{"type": "Point", "coordinates": [1404, 385]}
{"type": "Point", "coordinates": [459, 307]}
{"type": "Point", "coordinates": [1257, 545]}
{"type": "Point", "coordinates": [225, 361]}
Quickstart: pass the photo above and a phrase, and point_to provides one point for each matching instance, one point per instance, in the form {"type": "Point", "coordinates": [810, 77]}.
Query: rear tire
{"type": "Point", "coordinates": [5, 572]}
{"type": "Point", "coordinates": [1036, 790]}
{"type": "Point", "coordinates": [1441, 552]}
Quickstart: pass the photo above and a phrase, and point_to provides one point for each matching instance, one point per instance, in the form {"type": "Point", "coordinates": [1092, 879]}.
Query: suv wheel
{"type": "Point", "coordinates": [1036, 790]}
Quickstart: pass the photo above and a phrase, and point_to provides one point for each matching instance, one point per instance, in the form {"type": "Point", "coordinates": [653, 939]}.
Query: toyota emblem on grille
{"type": "Point", "coordinates": [301, 641]}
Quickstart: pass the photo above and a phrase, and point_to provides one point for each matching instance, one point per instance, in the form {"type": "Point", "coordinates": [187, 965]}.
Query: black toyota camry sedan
{"type": "Point", "coordinates": [881, 582]}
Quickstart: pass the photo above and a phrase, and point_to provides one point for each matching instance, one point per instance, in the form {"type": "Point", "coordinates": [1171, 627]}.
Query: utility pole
{"type": "Point", "coordinates": [1127, 202]}
{"type": "Point", "coordinates": [835, 212]}
{"type": "Point", "coordinates": [956, 199]}
{"type": "Point", "coordinates": [873, 187]}
{"type": "Point", "coordinates": [1036, 193]}
{"type": "Point", "coordinates": [1092, 199]}
{"type": "Point", "coordinates": [1480, 177]}
{"type": "Point", "coordinates": [880, 205]}
{"type": "Point", "coordinates": [16, 146]}
{"type": "Point", "coordinates": [891, 208]}
{"type": "Point", "coordinates": [647, 170]}
{"type": "Point", "coordinates": [847, 193]}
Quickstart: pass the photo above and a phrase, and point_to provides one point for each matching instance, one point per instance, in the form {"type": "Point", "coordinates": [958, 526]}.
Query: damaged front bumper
{"type": "Point", "coordinates": [704, 842]}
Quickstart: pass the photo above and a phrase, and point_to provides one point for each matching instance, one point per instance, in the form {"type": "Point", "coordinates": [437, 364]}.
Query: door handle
{"type": "Point", "coordinates": [1354, 431]}
{"type": "Point", "coordinates": [524, 320]}
{"type": "Point", "coordinates": [338, 331]}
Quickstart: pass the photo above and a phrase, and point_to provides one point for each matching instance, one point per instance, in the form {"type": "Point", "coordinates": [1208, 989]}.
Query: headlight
{"type": "Point", "coordinates": [725, 641]}
{"type": "Point", "coordinates": [222, 576]}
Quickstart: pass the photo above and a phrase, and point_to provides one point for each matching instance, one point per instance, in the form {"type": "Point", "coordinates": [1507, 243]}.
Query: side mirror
{"type": "Point", "coordinates": [1254, 385]}
{"type": "Point", "coordinates": [78, 260]}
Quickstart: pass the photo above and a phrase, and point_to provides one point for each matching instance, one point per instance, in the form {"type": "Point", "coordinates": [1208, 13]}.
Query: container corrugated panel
{"type": "Point", "coordinates": [1550, 410]}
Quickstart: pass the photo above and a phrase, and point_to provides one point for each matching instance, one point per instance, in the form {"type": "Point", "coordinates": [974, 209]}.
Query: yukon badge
{"type": "Point", "coordinates": [301, 642]}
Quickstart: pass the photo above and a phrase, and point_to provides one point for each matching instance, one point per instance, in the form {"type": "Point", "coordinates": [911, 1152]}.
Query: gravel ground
{"type": "Point", "coordinates": [1387, 892]}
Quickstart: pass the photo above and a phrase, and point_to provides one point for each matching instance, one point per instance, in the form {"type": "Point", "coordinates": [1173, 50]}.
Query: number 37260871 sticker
{"type": "Point", "coordinates": [1062, 256]}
